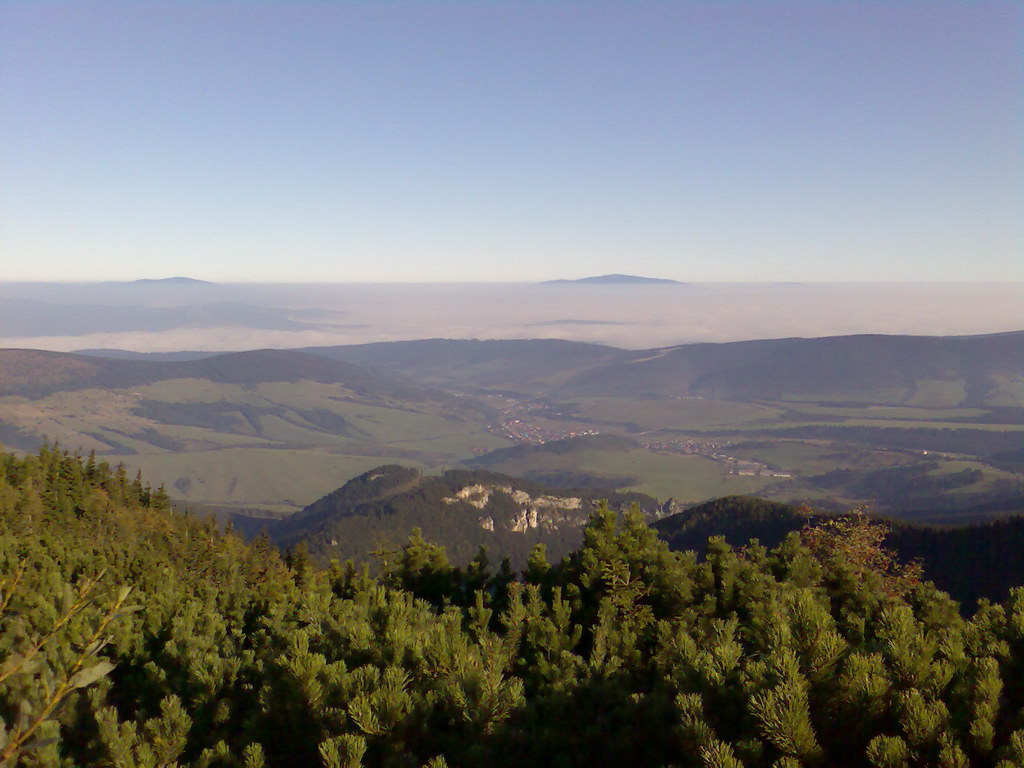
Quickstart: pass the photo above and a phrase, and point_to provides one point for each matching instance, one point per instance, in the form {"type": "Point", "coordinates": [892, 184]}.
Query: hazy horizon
{"type": "Point", "coordinates": [449, 281]}
{"type": "Point", "coordinates": [157, 317]}
{"type": "Point", "coordinates": [798, 167]}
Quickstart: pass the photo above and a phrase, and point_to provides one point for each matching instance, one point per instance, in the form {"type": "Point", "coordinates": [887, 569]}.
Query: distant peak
{"type": "Point", "coordinates": [617, 279]}
{"type": "Point", "coordinates": [170, 281]}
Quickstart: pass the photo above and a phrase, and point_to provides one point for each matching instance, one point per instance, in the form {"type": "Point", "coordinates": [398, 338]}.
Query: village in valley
{"type": "Point", "coordinates": [536, 422]}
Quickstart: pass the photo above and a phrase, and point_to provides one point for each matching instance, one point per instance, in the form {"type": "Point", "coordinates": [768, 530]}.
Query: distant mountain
{"type": "Point", "coordinates": [461, 509]}
{"type": "Point", "coordinates": [126, 354]}
{"type": "Point", "coordinates": [929, 371]}
{"type": "Point", "coordinates": [170, 281]}
{"type": "Point", "coordinates": [935, 371]}
{"type": "Point", "coordinates": [531, 364]}
{"type": "Point", "coordinates": [969, 562]}
{"type": "Point", "coordinates": [615, 279]}
{"type": "Point", "coordinates": [36, 373]}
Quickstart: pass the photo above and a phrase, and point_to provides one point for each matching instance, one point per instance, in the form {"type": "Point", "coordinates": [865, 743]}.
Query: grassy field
{"type": "Point", "coordinates": [273, 446]}
{"type": "Point", "coordinates": [990, 474]}
{"type": "Point", "coordinates": [688, 413]}
{"type": "Point", "coordinates": [937, 394]}
{"type": "Point", "coordinates": [696, 414]}
{"type": "Point", "coordinates": [1008, 391]}
{"type": "Point", "coordinates": [884, 423]}
{"type": "Point", "coordinates": [277, 446]}
{"type": "Point", "coordinates": [887, 412]}
{"type": "Point", "coordinates": [267, 478]}
{"type": "Point", "coordinates": [808, 458]}
{"type": "Point", "coordinates": [662, 475]}
{"type": "Point", "coordinates": [463, 444]}
{"type": "Point", "coordinates": [686, 478]}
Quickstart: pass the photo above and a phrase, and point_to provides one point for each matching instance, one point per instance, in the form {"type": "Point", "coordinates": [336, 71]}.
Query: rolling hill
{"type": "Point", "coordinates": [269, 429]}
{"type": "Point", "coordinates": [915, 370]}
{"type": "Point", "coordinates": [928, 371]}
{"type": "Point", "coordinates": [505, 364]}
{"type": "Point", "coordinates": [35, 373]}
{"type": "Point", "coordinates": [773, 417]}
{"type": "Point", "coordinates": [461, 509]}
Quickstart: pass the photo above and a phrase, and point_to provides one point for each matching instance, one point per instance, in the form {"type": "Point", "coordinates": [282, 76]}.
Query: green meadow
{"type": "Point", "coordinates": [277, 446]}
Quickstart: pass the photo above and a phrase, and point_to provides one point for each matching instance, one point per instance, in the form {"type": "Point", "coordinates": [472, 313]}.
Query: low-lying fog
{"type": "Point", "coordinates": [158, 316]}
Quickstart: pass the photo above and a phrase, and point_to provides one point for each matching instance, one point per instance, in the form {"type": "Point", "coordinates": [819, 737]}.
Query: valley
{"type": "Point", "coordinates": [511, 384]}
{"type": "Point", "coordinates": [686, 447]}
{"type": "Point", "coordinates": [270, 431]}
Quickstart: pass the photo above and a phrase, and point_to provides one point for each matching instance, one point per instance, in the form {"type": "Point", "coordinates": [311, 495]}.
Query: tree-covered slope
{"type": "Point", "coordinates": [930, 370]}
{"type": "Point", "coordinates": [132, 636]}
{"type": "Point", "coordinates": [528, 364]}
{"type": "Point", "coordinates": [969, 562]}
{"type": "Point", "coordinates": [462, 509]}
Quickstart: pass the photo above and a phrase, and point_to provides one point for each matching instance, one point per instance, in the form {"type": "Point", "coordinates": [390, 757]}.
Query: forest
{"type": "Point", "coordinates": [134, 635]}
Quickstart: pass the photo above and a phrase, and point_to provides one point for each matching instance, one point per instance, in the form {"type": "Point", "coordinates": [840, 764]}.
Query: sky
{"type": "Point", "coordinates": [512, 141]}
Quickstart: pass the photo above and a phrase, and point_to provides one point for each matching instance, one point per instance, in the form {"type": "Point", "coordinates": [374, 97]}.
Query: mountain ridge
{"type": "Point", "coordinates": [891, 366]}
{"type": "Point", "coordinates": [782, 369]}
{"type": "Point", "coordinates": [942, 371]}
{"type": "Point", "coordinates": [35, 373]}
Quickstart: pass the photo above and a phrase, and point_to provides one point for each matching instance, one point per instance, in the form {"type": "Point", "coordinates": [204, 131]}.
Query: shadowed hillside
{"type": "Point", "coordinates": [931, 371]}
{"type": "Point", "coordinates": [35, 373]}
{"type": "Point", "coordinates": [461, 509]}
{"type": "Point", "coordinates": [969, 562]}
{"type": "Point", "coordinates": [499, 364]}
{"type": "Point", "coordinates": [464, 510]}
{"type": "Point", "coordinates": [876, 369]}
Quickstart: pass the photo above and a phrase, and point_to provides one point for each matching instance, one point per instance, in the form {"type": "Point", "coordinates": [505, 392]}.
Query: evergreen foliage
{"type": "Point", "coordinates": [970, 562]}
{"type": "Point", "coordinates": [131, 635]}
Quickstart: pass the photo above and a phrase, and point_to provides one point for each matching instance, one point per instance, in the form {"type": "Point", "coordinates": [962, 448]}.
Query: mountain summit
{"type": "Point", "coordinates": [617, 280]}
{"type": "Point", "coordinates": [170, 281]}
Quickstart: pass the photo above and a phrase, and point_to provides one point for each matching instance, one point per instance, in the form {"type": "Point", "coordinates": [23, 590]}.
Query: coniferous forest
{"type": "Point", "coordinates": [132, 635]}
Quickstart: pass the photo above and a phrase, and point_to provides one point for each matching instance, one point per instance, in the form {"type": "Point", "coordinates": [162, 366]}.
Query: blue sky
{"type": "Point", "coordinates": [495, 141]}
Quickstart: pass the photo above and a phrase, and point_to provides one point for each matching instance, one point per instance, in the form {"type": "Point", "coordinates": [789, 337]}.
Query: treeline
{"type": "Point", "coordinates": [135, 636]}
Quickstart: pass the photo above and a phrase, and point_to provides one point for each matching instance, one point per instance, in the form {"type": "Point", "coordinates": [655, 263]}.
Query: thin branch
{"type": "Point", "coordinates": [92, 647]}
